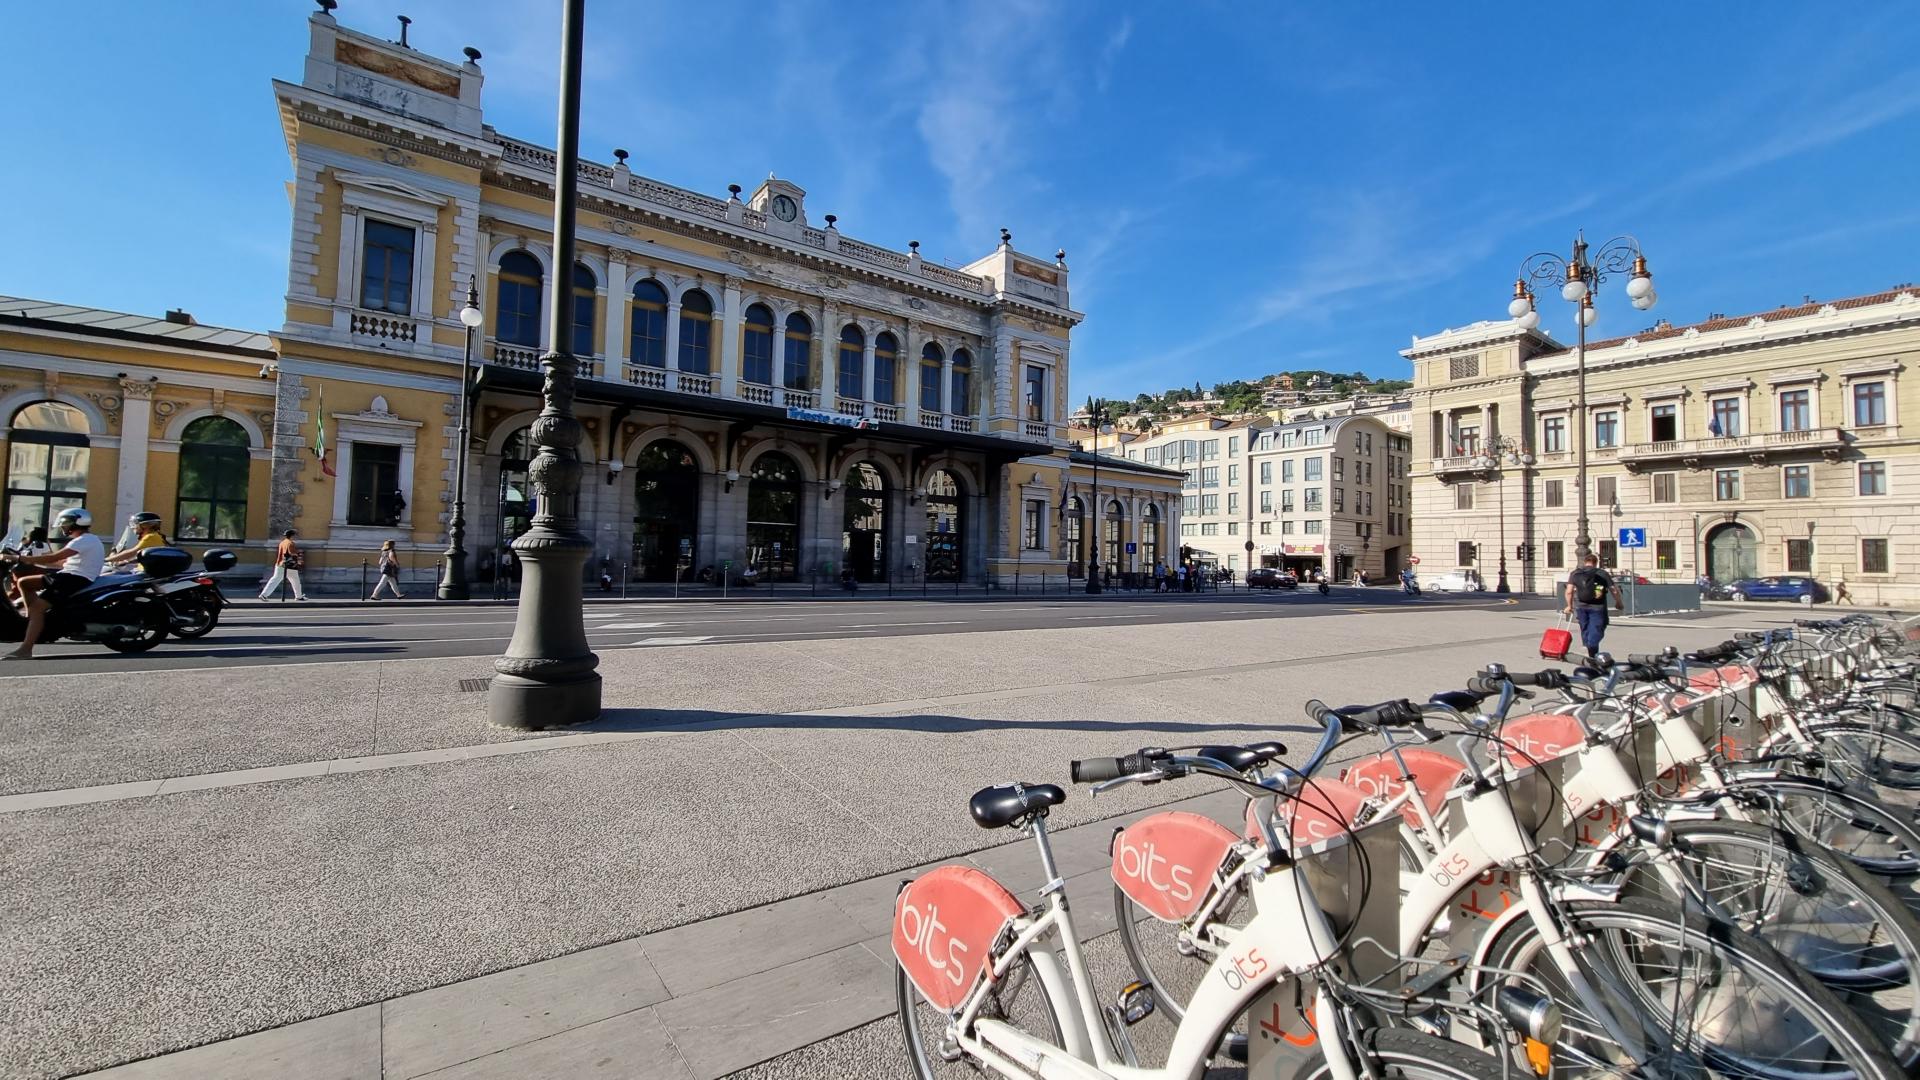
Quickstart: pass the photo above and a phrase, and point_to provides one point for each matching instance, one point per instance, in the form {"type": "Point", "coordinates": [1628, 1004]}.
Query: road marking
{"type": "Point", "coordinates": [948, 622]}
{"type": "Point", "coordinates": [1123, 615]}
{"type": "Point", "coordinates": [630, 626]}
{"type": "Point", "coordinates": [670, 641]}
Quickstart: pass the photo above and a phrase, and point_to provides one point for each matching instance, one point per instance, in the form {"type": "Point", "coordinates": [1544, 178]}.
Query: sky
{"type": "Point", "coordinates": [1240, 187]}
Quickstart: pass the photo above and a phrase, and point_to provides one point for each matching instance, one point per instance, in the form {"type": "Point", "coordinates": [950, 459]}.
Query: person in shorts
{"type": "Point", "coordinates": [79, 561]}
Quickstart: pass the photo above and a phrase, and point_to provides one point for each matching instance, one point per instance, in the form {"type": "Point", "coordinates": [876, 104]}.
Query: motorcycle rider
{"type": "Point", "coordinates": [80, 560]}
{"type": "Point", "coordinates": [147, 534]}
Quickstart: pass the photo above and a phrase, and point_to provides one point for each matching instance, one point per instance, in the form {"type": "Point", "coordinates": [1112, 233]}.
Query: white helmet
{"type": "Point", "coordinates": [75, 516]}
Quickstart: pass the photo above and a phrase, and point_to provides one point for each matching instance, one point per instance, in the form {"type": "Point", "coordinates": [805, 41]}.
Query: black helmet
{"type": "Point", "coordinates": [144, 517]}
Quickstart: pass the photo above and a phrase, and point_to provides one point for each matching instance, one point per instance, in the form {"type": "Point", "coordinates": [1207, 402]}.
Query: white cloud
{"type": "Point", "coordinates": [1110, 53]}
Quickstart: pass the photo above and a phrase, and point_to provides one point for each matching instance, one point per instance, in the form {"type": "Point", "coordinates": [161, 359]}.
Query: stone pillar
{"type": "Point", "coordinates": [290, 455]}
{"type": "Point", "coordinates": [907, 379]}
{"type": "Point", "coordinates": [673, 336]}
{"type": "Point", "coordinates": [828, 338]}
{"type": "Point", "coordinates": [136, 427]}
{"type": "Point", "coordinates": [866, 367]}
{"type": "Point", "coordinates": [947, 404]}
{"type": "Point", "coordinates": [615, 337]}
{"type": "Point", "coordinates": [732, 324]}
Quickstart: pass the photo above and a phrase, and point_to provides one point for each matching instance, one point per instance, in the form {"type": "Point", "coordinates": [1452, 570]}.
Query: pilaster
{"type": "Point", "coordinates": [136, 427]}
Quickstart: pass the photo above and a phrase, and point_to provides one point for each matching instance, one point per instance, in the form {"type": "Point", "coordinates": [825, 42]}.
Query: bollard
{"type": "Point", "coordinates": [363, 581]}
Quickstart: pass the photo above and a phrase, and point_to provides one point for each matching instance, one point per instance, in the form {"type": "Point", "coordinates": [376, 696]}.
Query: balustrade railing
{"type": "Point", "coordinates": [799, 399]}
{"type": "Point", "coordinates": [933, 420]}
{"type": "Point", "coordinates": [516, 356]}
{"type": "Point", "coordinates": [850, 407]}
{"type": "Point", "coordinates": [1037, 429]}
{"type": "Point", "coordinates": [381, 326]}
{"type": "Point", "coordinates": [647, 378]}
{"type": "Point", "coordinates": [759, 395]}
{"type": "Point", "coordinates": [887, 413]}
{"type": "Point", "coordinates": [961, 424]}
{"type": "Point", "coordinates": [689, 382]}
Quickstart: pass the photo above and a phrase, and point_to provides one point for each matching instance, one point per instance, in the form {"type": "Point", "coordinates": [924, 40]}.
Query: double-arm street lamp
{"type": "Point", "coordinates": [1097, 415]}
{"type": "Point", "coordinates": [1578, 278]}
{"type": "Point", "coordinates": [1499, 452]}
{"type": "Point", "coordinates": [453, 581]}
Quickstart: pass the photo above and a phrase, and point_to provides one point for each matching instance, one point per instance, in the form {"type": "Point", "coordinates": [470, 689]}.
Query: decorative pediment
{"type": "Point", "coordinates": [391, 189]}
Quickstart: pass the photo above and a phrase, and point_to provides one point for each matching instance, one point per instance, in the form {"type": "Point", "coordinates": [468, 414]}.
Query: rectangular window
{"type": "Point", "coordinates": [1233, 527]}
{"type": "Point", "coordinates": [1796, 410]}
{"type": "Point", "coordinates": [1233, 474]}
{"type": "Point", "coordinates": [1369, 473]}
{"type": "Point", "coordinates": [1030, 527]}
{"type": "Point", "coordinates": [1312, 469]}
{"type": "Point", "coordinates": [1266, 502]}
{"type": "Point", "coordinates": [1663, 423]}
{"type": "Point", "coordinates": [1286, 501]}
{"type": "Point", "coordinates": [1266, 528]}
{"type": "Point", "coordinates": [386, 268]}
{"type": "Point", "coordinates": [1339, 500]}
{"type": "Point", "coordinates": [1869, 404]}
{"type": "Point", "coordinates": [1726, 418]}
{"type": "Point", "coordinates": [1233, 502]}
{"type": "Point", "coordinates": [1314, 526]}
{"type": "Point", "coordinates": [1286, 471]}
{"type": "Point", "coordinates": [1664, 555]}
{"type": "Point", "coordinates": [1266, 472]}
{"type": "Point", "coordinates": [1873, 478]}
{"type": "Point", "coordinates": [1799, 556]}
{"type": "Point", "coordinates": [1554, 493]}
{"type": "Point", "coordinates": [1233, 446]}
{"type": "Point", "coordinates": [1553, 435]}
{"type": "Point", "coordinates": [1466, 440]}
{"type": "Point", "coordinates": [1666, 487]}
{"type": "Point", "coordinates": [1606, 429]}
{"type": "Point", "coordinates": [1606, 490]}
{"type": "Point", "coordinates": [1796, 482]}
{"type": "Point", "coordinates": [373, 485]}
{"type": "Point", "coordinates": [1190, 504]}
{"type": "Point", "coordinates": [1036, 392]}
{"type": "Point", "coordinates": [1209, 449]}
{"type": "Point", "coordinates": [1209, 528]}
{"type": "Point", "coordinates": [1463, 496]}
{"type": "Point", "coordinates": [1873, 556]}
{"type": "Point", "coordinates": [883, 379]}
{"type": "Point", "coordinates": [1286, 527]}
{"type": "Point", "coordinates": [1313, 499]}
{"type": "Point", "coordinates": [1209, 504]}
{"type": "Point", "coordinates": [1210, 476]}
{"type": "Point", "coordinates": [1726, 485]}
{"type": "Point", "coordinates": [1339, 468]}
{"type": "Point", "coordinates": [1465, 552]}
{"type": "Point", "coordinates": [1609, 553]}
{"type": "Point", "coordinates": [1556, 554]}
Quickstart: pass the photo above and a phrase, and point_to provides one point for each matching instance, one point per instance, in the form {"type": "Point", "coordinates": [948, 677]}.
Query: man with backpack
{"type": "Point", "coordinates": [1587, 591]}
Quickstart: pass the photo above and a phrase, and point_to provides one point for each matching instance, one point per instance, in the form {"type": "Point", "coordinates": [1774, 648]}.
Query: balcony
{"type": "Point", "coordinates": [757, 394]}
{"type": "Point", "coordinates": [516, 356]}
{"type": "Point", "coordinates": [1461, 466]}
{"type": "Point", "coordinates": [933, 420]}
{"type": "Point", "coordinates": [850, 407]}
{"type": "Point", "coordinates": [1037, 429]}
{"type": "Point", "coordinates": [1698, 453]}
{"type": "Point", "coordinates": [382, 328]}
{"type": "Point", "coordinates": [886, 413]}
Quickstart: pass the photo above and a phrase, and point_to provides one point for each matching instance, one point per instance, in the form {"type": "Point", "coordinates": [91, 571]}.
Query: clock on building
{"type": "Point", "coordinates": [785, 208]}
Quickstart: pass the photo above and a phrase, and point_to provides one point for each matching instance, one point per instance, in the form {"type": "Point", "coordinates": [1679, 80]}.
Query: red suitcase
{"type": "Point", "coordinates": [1556, 642]}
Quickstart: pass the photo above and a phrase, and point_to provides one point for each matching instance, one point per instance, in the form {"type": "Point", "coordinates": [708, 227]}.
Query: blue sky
{"type": "Point", "coordinates": [1240, 187]}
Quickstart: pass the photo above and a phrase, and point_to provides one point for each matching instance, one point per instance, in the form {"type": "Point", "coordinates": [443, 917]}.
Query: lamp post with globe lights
{"type": "Point", "coordinates": [1499, 452]}
{"type": "Point", "coordinates": [1578, 278]}
{"type": "Point", "coordinates": [453, 582]}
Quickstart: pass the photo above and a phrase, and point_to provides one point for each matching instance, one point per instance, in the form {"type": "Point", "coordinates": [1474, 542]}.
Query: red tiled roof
{"type": "Point", "coordinates": [1797, 311]}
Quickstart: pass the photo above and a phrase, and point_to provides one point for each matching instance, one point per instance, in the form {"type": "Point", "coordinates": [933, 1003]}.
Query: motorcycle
{"type": "Point", "coordinates": [193, 597]}
{"type": "Point", "coordinates": [124, 614]}
{"type": "Point", "coordinates": [1410, 586]}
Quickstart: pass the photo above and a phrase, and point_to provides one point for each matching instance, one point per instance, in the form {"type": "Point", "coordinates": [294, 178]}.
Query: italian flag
{"type": "Point", "coordinates": [320, 432]}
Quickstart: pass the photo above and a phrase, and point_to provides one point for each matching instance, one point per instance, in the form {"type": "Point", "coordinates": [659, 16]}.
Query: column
{"type": "Point", "coordinates": [136, 426]}
{"type": "Point", "coordinates": [1486, 428]}
{"type": "Point", "coordinates": [907, 380]}
{"type": "Point", "coordinates": [731, 325]}
{"type": "Point", "coordinates": [673, 335]}
{"type": "Point", "coordinates": [866, 367]}
{"type": "Point", "coordinates": [947, 404]}
{"type": "Point", "coordinates": [827, 336]}
{"type": "Point", "coordinates": [615, 335]}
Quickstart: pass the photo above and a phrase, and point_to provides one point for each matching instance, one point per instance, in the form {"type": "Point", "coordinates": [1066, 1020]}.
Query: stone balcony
{"type": "Point", "coordinates": [1828, 442]}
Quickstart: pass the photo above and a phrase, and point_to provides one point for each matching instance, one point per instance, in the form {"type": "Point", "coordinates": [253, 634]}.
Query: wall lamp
{"type": "Point", "coordinates": [614, 468]}
{"type": "Point", "coordinates": [732, 477]}
{"type": "Point", "coordinates": [832, 486]}
{"type": "Point", "coordinates": [268, 371]}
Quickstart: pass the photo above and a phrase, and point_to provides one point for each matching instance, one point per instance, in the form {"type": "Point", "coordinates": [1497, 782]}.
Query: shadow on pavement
{"type": "Point", "coordinates": [635, 720]}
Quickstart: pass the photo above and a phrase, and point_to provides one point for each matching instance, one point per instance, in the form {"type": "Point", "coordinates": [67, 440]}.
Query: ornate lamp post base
{"type": "Point", "coordinates": [548, 677]}
{"type": "Point", "coordinates": [453, 581]}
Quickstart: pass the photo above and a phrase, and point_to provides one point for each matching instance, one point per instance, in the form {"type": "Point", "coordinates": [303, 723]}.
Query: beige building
{"type": "Point", "coordinates": [1763, 444]}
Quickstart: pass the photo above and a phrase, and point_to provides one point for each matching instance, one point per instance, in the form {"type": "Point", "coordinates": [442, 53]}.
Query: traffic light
{"type": "Point", "coordinates": [1473, 553]}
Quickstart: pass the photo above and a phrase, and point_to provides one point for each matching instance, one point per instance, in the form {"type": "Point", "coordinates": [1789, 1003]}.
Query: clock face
{"type": "Point", "coordinates": [785, 208]}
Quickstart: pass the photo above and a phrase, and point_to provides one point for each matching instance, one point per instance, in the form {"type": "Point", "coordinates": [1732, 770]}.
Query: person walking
{"type": "Point", "coordinates": [389, 573]}
{"type": "Point", "coordinates": [1840, 593]}
{"type": "Point", "coordinates": [1587, 590]}
{"type": "Point", "coordinates": [287, 561]}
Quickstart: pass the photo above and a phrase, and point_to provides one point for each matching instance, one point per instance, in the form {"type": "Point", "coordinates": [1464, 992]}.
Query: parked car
{"type": "Point", "coordinates": [1455, 581]}
{"type": "Point", "coordinates": [1785, 587]}
{"type": "Point", "coordinates": [1267, 577]}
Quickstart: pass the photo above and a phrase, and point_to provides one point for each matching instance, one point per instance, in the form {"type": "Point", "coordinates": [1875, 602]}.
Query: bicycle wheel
{"type": "Point", "coordinates": [1172, 959]}
{"type": "Point", "coordinates": [1870, 757]}
{"type": "Point", "coordinates": [1816, 908]}
{"type": "Point", "coordinates": [1705, 997]}
{"type": "Point", "coordinates": [1862, 828]}
{"type": "Point", "coordinates": [1020, 999]}
{"type": "Point", "coordinates": [1410, 1055]}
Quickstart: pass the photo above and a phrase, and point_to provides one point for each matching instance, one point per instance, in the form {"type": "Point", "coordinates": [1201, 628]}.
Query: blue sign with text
{"type": "Point", "coordinates": [1132, 548]}
{"type": "Point", "coordinates": [1633, 538]}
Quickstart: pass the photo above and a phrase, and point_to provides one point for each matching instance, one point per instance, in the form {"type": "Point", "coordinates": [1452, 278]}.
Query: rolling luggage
{"type": "Point", "coordinates": [1557, 641]}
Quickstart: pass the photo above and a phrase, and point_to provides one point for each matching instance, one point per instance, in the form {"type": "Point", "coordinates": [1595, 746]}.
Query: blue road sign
{"type": "Point", "coordinates": [1633, 538]}
{"type": "Point", "coordinates": [1132, 548]}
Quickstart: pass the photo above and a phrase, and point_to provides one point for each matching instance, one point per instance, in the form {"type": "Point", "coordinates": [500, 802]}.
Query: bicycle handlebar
{"type": "Point", "coordinates": [1547, 680]}
{"type": "Point", "coordinates": [1399, 712]}
{"type": "Point", "coordinates": [1101, 769]}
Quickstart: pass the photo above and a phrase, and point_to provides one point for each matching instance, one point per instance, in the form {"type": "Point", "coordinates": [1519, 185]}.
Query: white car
{"type": "Point", "coordinates": [1455, 581]}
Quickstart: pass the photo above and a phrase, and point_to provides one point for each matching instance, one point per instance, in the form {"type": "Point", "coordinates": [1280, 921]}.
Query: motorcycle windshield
{"type": "Point", "coordinates": [12, 541]}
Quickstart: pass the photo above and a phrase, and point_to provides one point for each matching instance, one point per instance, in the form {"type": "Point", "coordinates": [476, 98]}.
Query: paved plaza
{"type": "Point", "coordinates": [339, 871]}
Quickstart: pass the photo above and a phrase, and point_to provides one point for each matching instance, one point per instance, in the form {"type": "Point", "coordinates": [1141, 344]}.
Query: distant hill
{"type": "Point", "coordinates": [1240, 395]}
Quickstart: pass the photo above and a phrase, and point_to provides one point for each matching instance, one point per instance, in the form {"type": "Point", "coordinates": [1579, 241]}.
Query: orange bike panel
{"type": "Point", "coordinates": [1165, 862]}
{"type": "Point", "coordinates": [1322, 810]}
{"type": "Point", "coordinates": [1434, 774]}
{"type": "Point", "coordinates": [944, 925]}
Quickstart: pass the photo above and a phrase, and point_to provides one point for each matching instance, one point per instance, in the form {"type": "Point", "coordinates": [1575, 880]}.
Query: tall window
{"type": "Point", "coordinates": [1553, 435]}
{"type": "Point", "coordinates": [1663, 423]}
{"type": "Point", "coordinates": [853, 347]}
{"type": "Point", "coordinates": [647, 340]}
{"type": "Point", "coordinates": [1031, 517]}
{"type": "Point", "coordinates": [1036, 392]}
{"type": "Point", "coordinates": [960, 394]}
{"type": "Point", "coordinates": [1266, 472]}
{"type": "Point", "coordinates": [756, 358]}
{"type": "Point", "coordinates": [1312, 501]}
{"type": "Point", "coordinates": [1286, 471]}
{"type": "Point", "coordinates": [930, 357]}
{"type": "Point", "coordinates": [47, 457]}
{"type": "Point", "coordinates": [1869, 404]}
{"type": "Point", "coordinates": [212, 503]}
{"type": "Point", "coordinates": [1266, 502]}
{"type": "Point", "coordinates": [696, 333]}
{"type": "Point", "coordinates": [1795, 410]}
{"type": "Point", "coordinates": [1554, 493]}
{"type": "Point", "coordinates": [1726, 417]}
{"type": "Point", "coordinates": [517, 314]}
{"type": "Point", "coordinates": [1312, 468]}
{"type": "Point", "coordinates": [1462, 497]}
{"type": "Point", "coordinates": [1609, 553]}
{"type": "Point", "coordinates": [386, 268]}
{"type": "Point", "coordinates": [1606, 429]}
{"type": "Point", "coordinates": [798, 357]}
{"type": "Point", "coordinates": [1666, 487]}
{"type": "Point", "coordinates": [1666, 555]}
{"type": "Point", "coordinates": [584, 284]}
{"type": "Point", "coordinates": [1796, 482]}
{"type": "Point", "coordinates": [1726, 484]}
{"type": "Point", "coordinates": [1873, 556]}
{"type": "Point", "coordinates": [1799, 556]}
{"type": "Point", "coordinates": [1606, 490]}
{"type": "Point", "coordinates": [1873, 478]}
{"type": "Point", "coordinates": [373, 485]}
{"type": "Point", "coordinates": [1150, 536]}
{"type": "Point", "coordinates": [886, 357]}
{"type": "Point", "coordinates": [1465, 552]}
{"type": "Point", "coordinates": [1556, 554]}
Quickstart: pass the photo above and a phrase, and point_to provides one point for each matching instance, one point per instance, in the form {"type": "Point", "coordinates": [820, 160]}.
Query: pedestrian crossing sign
{"type": "Point", "coordinates": [1633, 538]}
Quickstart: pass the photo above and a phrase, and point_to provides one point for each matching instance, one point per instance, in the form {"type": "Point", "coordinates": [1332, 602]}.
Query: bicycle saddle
{"type": "Point", "coordinates": [1006, 804]}
{"type": "Point", "coordinates": [1464, 700]}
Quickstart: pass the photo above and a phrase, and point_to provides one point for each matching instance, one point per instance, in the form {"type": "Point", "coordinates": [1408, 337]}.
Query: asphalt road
{"type": "Point", "coordinates": [269, 634]}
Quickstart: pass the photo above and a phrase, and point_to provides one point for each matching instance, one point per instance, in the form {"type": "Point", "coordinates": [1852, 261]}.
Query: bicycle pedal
{"type": "Point", "coordinates": [1136, 1003]}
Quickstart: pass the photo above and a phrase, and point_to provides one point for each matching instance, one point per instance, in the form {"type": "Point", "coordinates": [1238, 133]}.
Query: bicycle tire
{"type": "Point", "coordinates": [1865, 829]}
{"type": "Point", "coordinates": [1827, 916]}
{"type": "Point", "coordinates": [1856, 753]}
{"type": "Point", "coordinates": [917, 1016]}
{"type": "Point", "coordinates": [1518, 952]}
{"type": "Point", "coordinates": [1400, 1054]}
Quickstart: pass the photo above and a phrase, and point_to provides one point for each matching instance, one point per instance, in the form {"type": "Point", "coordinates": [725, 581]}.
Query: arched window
{"type": "Point", "coordinates": [516, 491]}
{"type": "Point", "coordinates": [757, 356]}
{"type": "Point", "coordinates": [773, 517]}
{"type": "Point", "coordinates": [863, 535]}
{"type": "Point", "coordinates": [798, 358]}
{"type": "Point", "coordinates": [853, 346]}
{"type": "Point", "coordinates": [584, 283]}
{"type": "Point", "coordinates": [946, 528]}
{"type": "Point", "coordinates": [214, 463]}
{"type": "Point", "coordinates": [886, 354]}
{"type": "Point", "coordinates": [517, 314]}
{"type": "Point", "coordinates": [1114, 545]}
{"type": "Point", "coordinates": [1150, 537]}
{"type": "Point", "coordinates": [666, 512]}
{"type": "Point", "coordinates": [47, 460]}
{"type": "Point", "coordinates": [696, 333]}
{"type": "Point", "coordinates": [930, 357]}
{"type": "Point", "coordinates": [647, 341]}
{"type": "Point", "coordinates": [1074, 536]}
{"type": "Point", "coordinates": [960, 400]}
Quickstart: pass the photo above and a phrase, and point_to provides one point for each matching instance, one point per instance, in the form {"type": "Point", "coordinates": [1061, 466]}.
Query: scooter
{"type": "Point", "coordinates": [123, 613]}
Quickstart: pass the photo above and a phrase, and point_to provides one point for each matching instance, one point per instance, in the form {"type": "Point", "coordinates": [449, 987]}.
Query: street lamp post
{"type": "Point", "coordinates": [1578, 278]}
{"type": "Point", "coordinates": [1501, 451]}
{"type": "Point", "coordinates": [548, 676]}
{"type": "Point", "coordinates": [1097, 515]}
{"type": "Point", "coordinates": [453, 582]}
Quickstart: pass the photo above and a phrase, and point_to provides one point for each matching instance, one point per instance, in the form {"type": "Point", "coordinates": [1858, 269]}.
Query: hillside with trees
{"type": "Point", "coordinates": [1239, 395]}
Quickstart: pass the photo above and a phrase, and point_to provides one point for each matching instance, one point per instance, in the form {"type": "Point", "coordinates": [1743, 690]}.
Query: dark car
{"type": "Point", "coordinates": [1784, 587]}
{"type": "Point", "coordinates": [1267, 577]}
